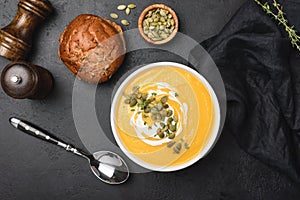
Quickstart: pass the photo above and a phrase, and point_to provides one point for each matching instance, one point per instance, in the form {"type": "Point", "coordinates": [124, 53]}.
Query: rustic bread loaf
{"type": "Point", "coordinates": [93, 48]}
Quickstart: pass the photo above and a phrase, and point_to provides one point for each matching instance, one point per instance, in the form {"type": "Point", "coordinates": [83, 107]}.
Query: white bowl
{"type": "Point", "coordinates": [214, 130]}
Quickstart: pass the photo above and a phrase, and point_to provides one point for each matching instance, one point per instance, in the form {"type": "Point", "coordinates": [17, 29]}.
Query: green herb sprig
{"type": "Point", "coordinates": [280, 17]}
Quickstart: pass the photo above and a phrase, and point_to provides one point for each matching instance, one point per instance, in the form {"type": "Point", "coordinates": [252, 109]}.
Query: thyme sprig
{"type": "Point", "coordinates": [280, 17]}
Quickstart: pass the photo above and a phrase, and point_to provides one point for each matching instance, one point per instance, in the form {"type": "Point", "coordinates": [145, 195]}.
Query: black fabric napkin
{"type": "Point", "coordinates": [261, 72]}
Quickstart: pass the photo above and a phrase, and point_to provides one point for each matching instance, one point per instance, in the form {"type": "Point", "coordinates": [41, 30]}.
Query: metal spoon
{"type": "Point", "coordinates": [107, 166]}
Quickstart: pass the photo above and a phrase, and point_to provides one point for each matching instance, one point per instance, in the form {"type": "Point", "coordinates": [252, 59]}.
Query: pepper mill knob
{"type": "Point", "coordinates": [22, 80]}
{"type": "Point", "coordinates": [16, 38]}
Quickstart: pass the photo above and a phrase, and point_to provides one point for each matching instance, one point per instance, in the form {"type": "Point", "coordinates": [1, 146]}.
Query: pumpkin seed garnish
{"type": "Point", "coordinates": [171, 136]}
{"type": "Point", "coordinates": [186, 146]}
{"type": "Point", "coordinates": [155, 109]}
{"type": "Point", "coordinates": [133, 102]}
{"type": "Point", "coordinates": [125, 22]}
{"type": "Point", "coordinates": [170, 144]}
{"type": "Point", "coordinates": [114, 15]}
{"type": "Point", "coordinates": [177, 148]}
{"type": "Point", "coordinates": [121, 7]}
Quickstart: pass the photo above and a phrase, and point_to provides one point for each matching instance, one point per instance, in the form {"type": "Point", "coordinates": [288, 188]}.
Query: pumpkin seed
{"type": "Point", "coordinates": [127, 11]}
{"type": "Point", "coordinates": [144, 96]}
{"type": "Point", "coordinates": [127, 101]}
{"type": "Point", "coordinates": [172, 128]}
{"type": "Point", "coordinates": [121, 7]}
{"type": "Point", "coordinates": [170, 144]}
{"type": "Point", "coordinates": [133, 96]}
{"type": "Point", "coordinates": [162, 12]}
{"type": "Point", "coordinates": [177, 148]}
{"type": "Point", "coordinates": [169, 113]}
{"type": "Point", "coordinates": [166, 106]}
{"type": "Point", "coordinates": [169, 121]}
{"type": "Point", "coordinates": [171, 136]}
{"type": "Point", "coordinates": [163, 113]}
{"type": "Point", "coordinates": [125, 22]}
{"type": "Point", "coordinates": [161, 134]}
{"type": "Point", "coordinates": [114, 15]}
{"type": "Point", "coordinates": [133, 102]}
{"type": "Point", "coordinates": [140, 102]}
{"type": "Point", "coordinates": [151, 28]}
{"type": "Point", "coordinates": [186, 146]}
{"type": "Point", "coordinates": [135, 88]}
{"type": "Point", "coordinates": [147, 110]}
{"type": "Point", "coordinates": [150, 20]}
{"type": "Point", "coordinates": [158, 117]}
{"type": "Point", "coordinates": [166, 127]}
{"type": "Point", "coordinates": [132, 6]}
{"type": "Point", "coordinates": [172, 22]}
{"type": "Point", "coordinates": [164, 100]}
{"type": "Point", "coordinates": [164, 35]}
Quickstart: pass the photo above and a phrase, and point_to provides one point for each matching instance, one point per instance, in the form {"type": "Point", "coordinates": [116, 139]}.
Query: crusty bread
{"type": "Point", "coordinates": [93, 48]}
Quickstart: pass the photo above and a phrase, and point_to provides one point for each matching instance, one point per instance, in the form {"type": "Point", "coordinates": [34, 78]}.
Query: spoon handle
{"type": "Point", "coordinates": [34, 131]}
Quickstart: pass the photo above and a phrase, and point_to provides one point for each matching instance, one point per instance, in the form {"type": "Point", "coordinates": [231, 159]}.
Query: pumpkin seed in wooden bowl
{"type": "Point", "coordinates": [158, 24]}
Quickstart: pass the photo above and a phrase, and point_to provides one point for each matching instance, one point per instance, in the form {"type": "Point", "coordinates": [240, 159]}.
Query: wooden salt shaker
{"type": "Point", "coordinates": [22, 80]}
{"type": "Point", "coordinates": [16, 38]}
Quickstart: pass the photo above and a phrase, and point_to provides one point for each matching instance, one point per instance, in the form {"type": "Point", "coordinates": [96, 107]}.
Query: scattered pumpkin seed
{"type": "Point", "coordinates": [125, 22]}
{"type": "Point", "coordinates": [121, 7]}
{"type": "Point", "coordinates": [131, 6]}
{"type": "Point", "coordinates": [127, 11]}
{"type": "Point", "coordinates": [114, 15]}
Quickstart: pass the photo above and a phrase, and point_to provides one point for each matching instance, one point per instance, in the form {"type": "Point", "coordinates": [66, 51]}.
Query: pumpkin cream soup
{"type": "Point", "coordinates": [164, 116]}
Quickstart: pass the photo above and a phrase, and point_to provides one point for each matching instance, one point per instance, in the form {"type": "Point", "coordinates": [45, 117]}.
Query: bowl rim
{"type": "Point", "coordinates": [214, 128]}
{"type": "Point", "coordinates": [142, 16]}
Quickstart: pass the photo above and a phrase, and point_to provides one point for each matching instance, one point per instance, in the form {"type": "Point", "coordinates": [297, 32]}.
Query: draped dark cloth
{"type": "Point", "coordinates": [261, 72]}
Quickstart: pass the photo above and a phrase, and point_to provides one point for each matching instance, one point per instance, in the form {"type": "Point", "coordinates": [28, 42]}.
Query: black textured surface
{"type": "Point", "coordinates": [32, 169]}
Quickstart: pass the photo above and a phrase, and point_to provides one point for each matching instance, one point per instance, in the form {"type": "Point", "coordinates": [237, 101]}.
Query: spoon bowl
{"type": "Point", "coordinates": [109, 167]}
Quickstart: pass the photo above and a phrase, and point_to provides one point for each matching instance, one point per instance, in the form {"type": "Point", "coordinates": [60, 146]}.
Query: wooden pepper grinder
{"type": "Point", "coordinates": [16, 38]}
{"type": "Point", "coordinates": [22, 80]}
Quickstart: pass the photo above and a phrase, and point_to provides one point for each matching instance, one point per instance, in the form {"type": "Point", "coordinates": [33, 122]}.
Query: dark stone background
{"type": "Point", "coordinates": [31, 169]}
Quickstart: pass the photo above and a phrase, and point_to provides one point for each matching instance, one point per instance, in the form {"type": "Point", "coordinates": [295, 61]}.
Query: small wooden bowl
{"type": "Point", "coordinates": [145, 12]}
